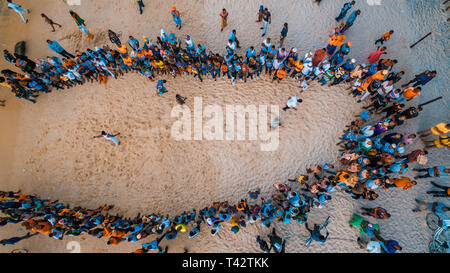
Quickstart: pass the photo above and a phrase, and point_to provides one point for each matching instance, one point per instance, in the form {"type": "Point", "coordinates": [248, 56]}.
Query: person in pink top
{"type": "Point", "coordinates": [375, 56]}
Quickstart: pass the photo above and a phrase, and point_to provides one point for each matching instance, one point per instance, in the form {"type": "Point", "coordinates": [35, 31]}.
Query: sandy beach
{"type": "Point", "coordinates": [48, 148]}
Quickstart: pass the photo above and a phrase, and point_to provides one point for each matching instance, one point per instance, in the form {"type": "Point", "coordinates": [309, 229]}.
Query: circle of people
{"type": "Point", "coordinates": [370, 153]}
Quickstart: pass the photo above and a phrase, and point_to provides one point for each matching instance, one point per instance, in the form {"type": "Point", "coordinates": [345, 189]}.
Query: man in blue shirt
{"type": "Point", "coordinates": [133, 42]}
{"type": "Point", "coordinates": [344, 10]}
{"type": "Point", "coordinates": [160, 87]}
{"type": "Point", "coordinates": [284, 33]}
{"type": "Point", "coordinates": [350, 20]}
{"type": "Point", "coordinates": [233, 38]}
{"type": "Point", "coordinates": [422, 79]}
{"type": "Point", "coordinates": [141, 6]}
{"type": "Point", "coordinates": [55, 46]}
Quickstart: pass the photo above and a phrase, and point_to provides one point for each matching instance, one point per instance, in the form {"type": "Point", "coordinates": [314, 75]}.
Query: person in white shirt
{"type": "Point", "coordinates": [266, 45]}
{"type": "Point", "coordinates": [277, 64]}
{"type": "Point", "coordinates": [17, 8]}
{"type": "Point", "coordinates": [292, 103]}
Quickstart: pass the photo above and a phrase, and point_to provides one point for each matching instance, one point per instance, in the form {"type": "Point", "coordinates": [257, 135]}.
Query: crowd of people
{"type": "Point", "coordinates": [374, 152]}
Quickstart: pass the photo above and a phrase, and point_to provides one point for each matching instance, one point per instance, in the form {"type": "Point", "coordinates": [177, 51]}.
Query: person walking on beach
{"type": "Point", "coordinates": [55, 46]}
{"type": "Point", "coordinates": [50, 21]}
{"type": "Point", "coordinates": [292, 103]}
{"type": "Point", "coordinates": [434, 207]}
{"type": "Point", "coordinates": [141, 6]}
{"type": "Point", "coordinates": [378, 213]}
{"type": "Point", "coordinates": [315, 233]}
{"type": "Point", "coordinates": [267, 19]}
{"type": "Point", "coordinates": [18, 8]}
{"type": "Point", "coordinates": [78, 20]}
{"type": "Point", "coordinates": [223, 19]}
{"type": "Point", "coordinates": [374, 56]}
{"type": "Point", "coordinates": [442, 141]}
{"type": "Point", "coordinates": [109, 137]}
{"type": "Point", "coordinates": [437, 171]}
{"type": "Point", "coordinates": [439, 129]}
{"type": "Point", "coordinates": [14, 240]}
{"type": "Point", "coordinates": [284, 33]}
{"type": "Point", "coordinates": [351, 20]}
{"type": "Point", "coordinates": [347, 6]}
{"type": "Point", "coordinates": [422, 78]}
{"type": "Point", "coordinates": [445, 191]}
{"type": "Point", "coordinates": [176, 17]}
{"type": "Point", "coordinates": [385, 37]}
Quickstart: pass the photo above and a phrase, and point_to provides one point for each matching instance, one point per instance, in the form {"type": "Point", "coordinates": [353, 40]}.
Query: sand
{"type": "Point", "coordinates": [47, 148]}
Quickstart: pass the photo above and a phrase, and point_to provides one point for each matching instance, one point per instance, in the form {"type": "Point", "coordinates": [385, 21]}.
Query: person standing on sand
{"type": "Point", "coordinates": [350, 20]}
{"type": "Point", "coordinates": [224, 19]}
{"type": "Point", "coordinates": [176, 17]}
{"type": "Point", "coordinates": [347, 6]}
{"type": "Point", "coordinates": [141, 6]}
{"type": "Point", "coordinates": [50, 21]}
{"type": "Point", "coordinates": [260, 13]}
{"type": "Point", "coordinates": [55, 46]}
{"type": "Point", "coordinates": [267, 19]}
{"type": "Point", "coordinates": [109, 137]}
{"type": "Point", "coordinates": [422, 78]}
{"type": "Point", "coordinates": [18, 8]}
{"type": "Point", "coordinates": [284, 33]}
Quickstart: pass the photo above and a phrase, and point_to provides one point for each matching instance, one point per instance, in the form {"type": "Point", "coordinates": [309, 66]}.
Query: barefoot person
{"type": "Point", "coordinates": [385, 37]}
{"type": "Point", "coordinates": [176, 17]}
{"type": "Point", "coordinates": [109, 137]}
{"type": "Point", "coordinates": [50, 21]}
{"type": "Point", "coordinates": [223, 19]}
{"type": "Point", "coordinates": [439, 129]}
{"type": "Point", "coordinates": [18, 8]}
{"type": "Point", "coordinates": [292, 103]}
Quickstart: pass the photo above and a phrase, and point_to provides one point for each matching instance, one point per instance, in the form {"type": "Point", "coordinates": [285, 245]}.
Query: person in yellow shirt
{"type": "Point", "coordinates": [439, 129]}
{"type": "Point", "coordinates": [442, 141]}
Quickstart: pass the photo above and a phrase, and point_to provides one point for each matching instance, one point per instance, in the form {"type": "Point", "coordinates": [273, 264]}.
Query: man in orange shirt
{"type": "Point", "coordinates": [411, 92]}
{"type": "Point", "coordinates": [281, 73]}
{"type": "Point", "coordinates": [385, 37]}
{"type": "Point", "coordinates": [404, 182]}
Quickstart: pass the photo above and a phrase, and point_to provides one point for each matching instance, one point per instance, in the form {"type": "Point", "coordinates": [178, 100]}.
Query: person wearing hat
{"type": "Point", "coordinates": [176, 17]}
{"type": "Point", "coordinates": [293, 54]}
